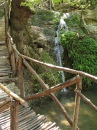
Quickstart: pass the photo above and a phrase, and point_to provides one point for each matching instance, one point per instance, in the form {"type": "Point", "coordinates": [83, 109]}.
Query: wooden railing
{"type": "Point", "coordinates": [18, 61]}
{"type": "Point", "coordinates": [12, 102]}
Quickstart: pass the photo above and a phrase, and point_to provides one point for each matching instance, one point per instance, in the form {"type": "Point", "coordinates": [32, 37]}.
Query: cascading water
{"type": "Point", "coordinates": [58, 47]}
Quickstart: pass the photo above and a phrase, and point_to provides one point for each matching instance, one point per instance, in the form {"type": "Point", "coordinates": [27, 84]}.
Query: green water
{"type": "Point", "coordinates": [87, 116]}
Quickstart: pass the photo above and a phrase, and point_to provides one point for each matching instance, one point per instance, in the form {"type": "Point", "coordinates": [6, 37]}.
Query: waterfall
{"type": "Point", "coordinates": [58, 47]}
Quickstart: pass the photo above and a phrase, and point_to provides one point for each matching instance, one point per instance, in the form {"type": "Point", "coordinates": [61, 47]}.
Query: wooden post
{"type": "Point", "coordinates": [20, 76]}
{"type": "Point", "coordinates": [6, 20]}
{"type": "Point", "coordinates": [13, 63]}
{"type": "Point", "coordinates": [17, 60]}
{"type": "Point", "coordinates": [7, 41]}
{"type": "Point", "coordinates": [14, 116]}
{"type": "Point", "coordinates": [76, 107]}
{"type": "Point", "coordinates": [9, 46]}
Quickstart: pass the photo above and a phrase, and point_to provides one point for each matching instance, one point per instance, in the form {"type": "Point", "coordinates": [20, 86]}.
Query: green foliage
{"type": "Point", "coordinates": [1, 13]}
{"type": "Point", "coordinates": [31, 3]}
{"type": "Point", "coordinates": [92, 3]}
{"type": "Point", "coordinates": [51, 77]}
{"type": "Point", "coordinates": [73, 22]}
{"type": "Point", "coordinates": [56, 1]}
{"type": "Point", "coordinates": [59, 1]}
{"type": "Point", "coordinates": [45, 15]}
{"type": "Point", "coordinates": [82, 50]}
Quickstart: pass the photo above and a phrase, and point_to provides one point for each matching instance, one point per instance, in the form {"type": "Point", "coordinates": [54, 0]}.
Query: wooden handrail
{"type": "Point", "coordinates": [72, 71]}
{"type": "Point", "coordinates": [65, 69]}
{"type": "Point", "coordinates": [88, 101]}
{"type": "Point", "coordinates": [2, 4]}
{"type": "Point", "coordinates": [54, 98]}
{"type": "Point", "coordinates": [54, 88]}
{"type": "Point", "coordinates": [16, 97]}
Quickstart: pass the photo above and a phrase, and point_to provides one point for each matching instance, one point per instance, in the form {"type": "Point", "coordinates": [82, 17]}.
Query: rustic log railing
{"type": "Point", "coordinates": [21, 60]}
{"type": "Point", "coordinates": [12, 102]}
{"type": "Point", "coordinates": [18, 61]}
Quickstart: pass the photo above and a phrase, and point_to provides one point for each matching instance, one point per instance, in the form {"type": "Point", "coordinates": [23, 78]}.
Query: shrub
{"type": "Point", "coordinates": [82, 51]}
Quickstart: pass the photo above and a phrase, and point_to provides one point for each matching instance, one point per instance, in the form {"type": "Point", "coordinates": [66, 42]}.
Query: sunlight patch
{"type": "Point", "coordinates": [53, 113]}
{"type": "Point", "coordinates": [70, 104]}
{"type": "Point", "coordinates": [65, 122]}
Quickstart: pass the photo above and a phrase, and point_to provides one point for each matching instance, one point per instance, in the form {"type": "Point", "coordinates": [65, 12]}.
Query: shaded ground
{"type": "Point", "coordinates": [87, 116]}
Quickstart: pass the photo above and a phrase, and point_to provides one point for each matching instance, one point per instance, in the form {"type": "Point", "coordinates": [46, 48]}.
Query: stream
{"type": "Point", "coordinates": [87, 116]}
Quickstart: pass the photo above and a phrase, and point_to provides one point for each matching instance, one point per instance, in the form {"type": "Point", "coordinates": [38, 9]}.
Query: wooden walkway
{"type": "Point", "coordinates": [27, 118]}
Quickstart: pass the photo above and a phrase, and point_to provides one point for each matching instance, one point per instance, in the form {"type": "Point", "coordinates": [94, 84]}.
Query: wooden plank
{"type": "Point", "coordinates": [6, 79]}
{"type": "Point", "coordinates": [26, 112]}
{"type": "Point", "coordinates": [52, 125]}
{"type": "Point", "coordinates": [4, 61]}
{"type": "Point", "coordinates": [46, 125]}
{"type": "Point", "coordinates": [27, 121]}
{"type": "Point", "coordinates": [3, 74]}
{"type": "Point", "coordinates": [32, 124]}
{"type": "Point", "coordinates": [27, 116]}
{"type": "Point", "coordinates": [2, 42]}
{"type": "Point", "coordinates": [4, 119]}
{"type": "Point", "coordinates": [5, 102]}
{"type": "Point", "coordinates": [4, 57]}
{"type": "Point", "coordinates": [3, 71]}
{"type": "Point", "coordinates": [6, 106]}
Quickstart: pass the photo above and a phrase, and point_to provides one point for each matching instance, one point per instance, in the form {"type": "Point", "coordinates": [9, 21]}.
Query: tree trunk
{"type": "Point", "coordinates": [18, 22]}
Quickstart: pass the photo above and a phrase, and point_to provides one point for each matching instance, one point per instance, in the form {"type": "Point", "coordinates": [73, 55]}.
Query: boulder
{"type": "Point", "coordinates": [89, 18]}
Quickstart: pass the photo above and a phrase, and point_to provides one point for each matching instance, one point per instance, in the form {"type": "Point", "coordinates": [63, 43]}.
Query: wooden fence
{"type": "Point", "coordinates": [12, 102]}
{"type": "Point", "coordinates": [18, 61]}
